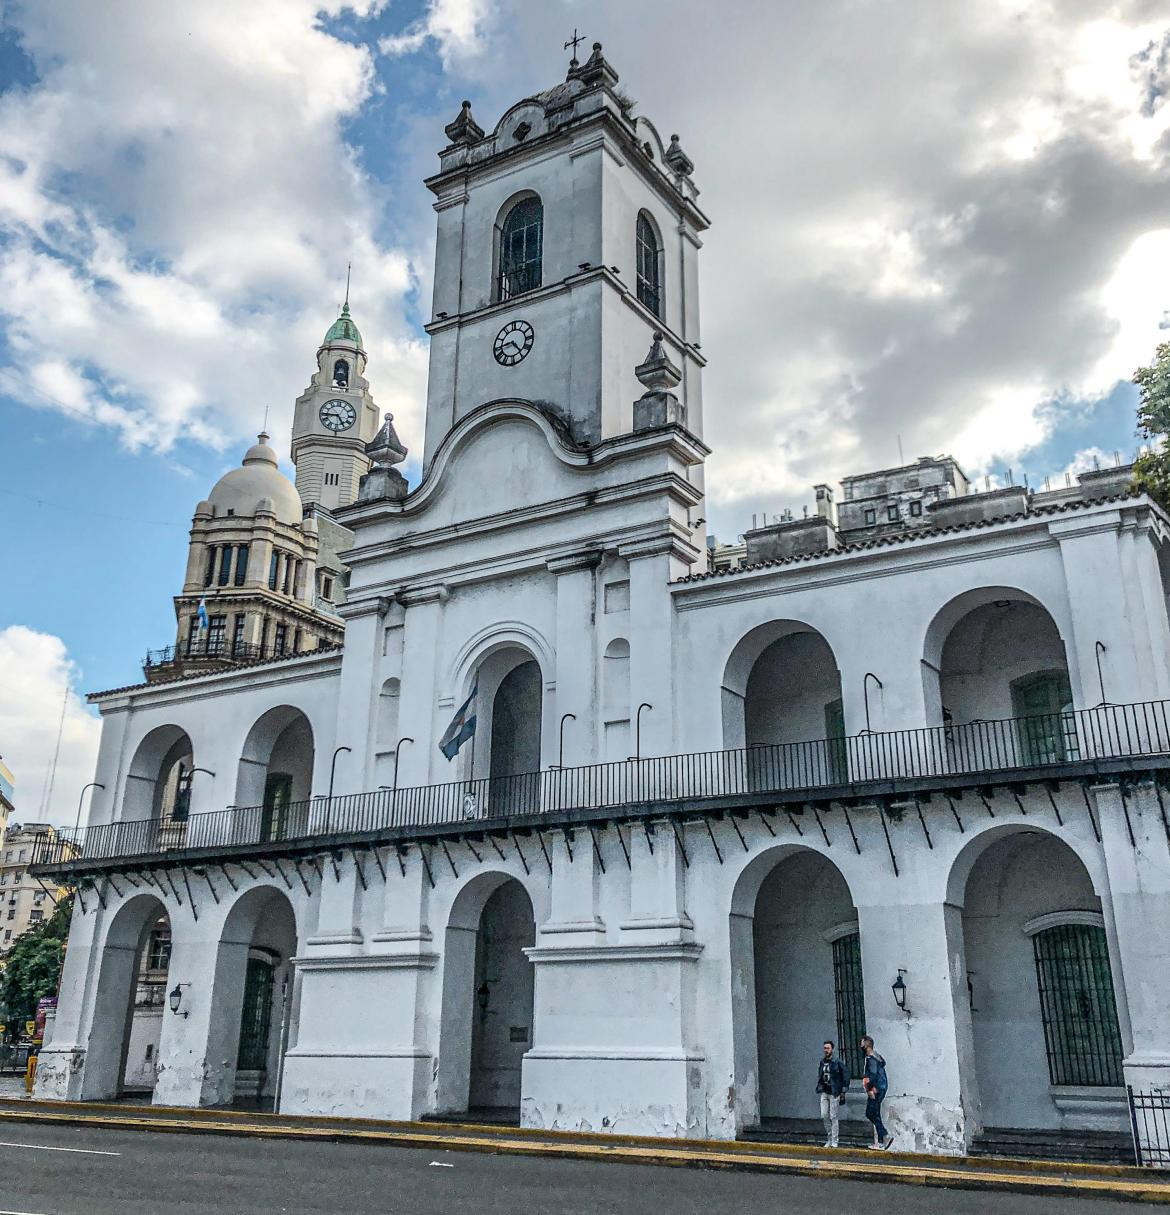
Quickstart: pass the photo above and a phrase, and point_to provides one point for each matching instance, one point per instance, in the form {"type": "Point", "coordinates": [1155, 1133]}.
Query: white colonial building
{"type": "Point", "coordinates": [707, 817]}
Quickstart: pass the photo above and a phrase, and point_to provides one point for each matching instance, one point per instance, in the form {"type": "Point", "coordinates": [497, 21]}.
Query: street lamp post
{"type": "Point", "coordinates": [394, 788]}
{"type": "Point", "coordinates": [638, 729]}
{"type": "Point", "coordinates": [561, 751]}
{"type": "Point", "coordinates": [333, 770]}
{"type": "Point", "coordinates": [93, 784]}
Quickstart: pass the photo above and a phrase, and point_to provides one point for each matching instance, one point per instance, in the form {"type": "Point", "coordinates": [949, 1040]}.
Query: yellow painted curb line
{"type": "Point", "coordinates": [440, 1131]}
{"type": "Point", "coordinates": [1148, 1189]}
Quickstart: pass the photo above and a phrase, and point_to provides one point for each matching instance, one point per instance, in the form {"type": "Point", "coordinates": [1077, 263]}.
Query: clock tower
{"type": "Point", "coordinates": [566, 247]}
{"type": "Point", "coordinates": [334, 419]}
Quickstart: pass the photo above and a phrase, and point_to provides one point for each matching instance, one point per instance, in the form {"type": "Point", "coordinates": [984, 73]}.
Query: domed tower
{"type": "Point", "coordinates": [252, 564]}
{"type": "Point", "coordinates": [334, 419]}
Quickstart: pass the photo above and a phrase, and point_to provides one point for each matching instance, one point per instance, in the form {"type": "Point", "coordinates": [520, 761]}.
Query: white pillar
{"type": "Point", "coordinates": [576, 673]}
{"type": "Point", "coordinates": [361, 1037]}
{"type": "Point", "coordinates": [929, 1051]}
{"type": "Point", "coordinates": [1139, 894]}
{"type": "Point", "coordinates": [416, 713]}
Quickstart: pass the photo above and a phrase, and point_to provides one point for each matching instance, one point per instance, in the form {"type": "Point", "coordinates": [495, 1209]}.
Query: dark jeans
{"type": "Point", "coordinates": [873, 1113]}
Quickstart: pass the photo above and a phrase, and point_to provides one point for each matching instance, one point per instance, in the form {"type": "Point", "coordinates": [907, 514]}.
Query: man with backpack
{"type": "Point", "coordinates": [874, 1082]}
{"type": "Point", "coordinates": [831, 1084]}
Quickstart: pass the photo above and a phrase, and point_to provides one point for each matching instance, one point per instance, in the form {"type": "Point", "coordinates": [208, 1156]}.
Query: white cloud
{"type": "Point", "coordinates": [457, 26]}
{"type": "Point", "coordinates": [37, 671]}
{"type": "Point", "coordinates": [929, 227]}
{"type": "Point", "coordinates": [177, 209]}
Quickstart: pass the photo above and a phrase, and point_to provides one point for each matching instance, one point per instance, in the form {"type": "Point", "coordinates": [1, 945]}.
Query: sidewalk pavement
{"type": "Point", "coordinates": [1117, 1182]}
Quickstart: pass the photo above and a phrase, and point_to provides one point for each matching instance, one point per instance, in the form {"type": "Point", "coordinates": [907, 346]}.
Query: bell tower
{"type": "Point", "coordinates": [334, 419]}
{"type": "Point", "coordinates": [567, 238]}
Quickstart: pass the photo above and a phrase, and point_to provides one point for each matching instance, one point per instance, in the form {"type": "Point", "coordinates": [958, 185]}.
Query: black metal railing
{"type": "Point", "coordinates": [1149, 1116]}
{"type": "Point", "coordinates": [1108, 732]}
{"type": "Point", "coordinates": [224, 651]}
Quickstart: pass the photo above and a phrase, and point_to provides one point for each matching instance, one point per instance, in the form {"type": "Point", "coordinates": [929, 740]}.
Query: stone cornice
{"type": "Point", "coordinates": [678, 951]}
{"type": "Point", "coordinates": [570, 282]}
{"type": "Point", "coordinates": [289, 670]}
{"type": "Point", "coordinates": [587, 559]}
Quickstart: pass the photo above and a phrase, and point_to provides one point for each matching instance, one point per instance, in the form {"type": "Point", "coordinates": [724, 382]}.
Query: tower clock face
{"type": "Point", "coordinates": [337, 415]}
{"type": "Point", "coordinates": [513, 343]}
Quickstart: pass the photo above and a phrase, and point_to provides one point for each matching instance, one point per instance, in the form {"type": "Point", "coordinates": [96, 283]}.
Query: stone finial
{"type": "Point", "coordinates": [596, 69]}
{"type": "Point", "coordinates": [383, 480]}
{"type": "Point", "coordinates": [656, 372]}
{"type": "Point", "coordinates": [464, 129]}
{"type": "Point", "coordinates": [678, 160]}
{"type": "Point", "coordinates": [386, 448]}
{"type": "Point", "coordinates": [658, 406]}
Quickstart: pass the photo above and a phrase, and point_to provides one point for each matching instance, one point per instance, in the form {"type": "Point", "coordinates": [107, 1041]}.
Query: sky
{"type": "Point", "coordinates": [937, 227]}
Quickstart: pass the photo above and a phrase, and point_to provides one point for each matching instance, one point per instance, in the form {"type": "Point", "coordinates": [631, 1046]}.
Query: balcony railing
{"type": "Point", "coordinates": [222, 651]}
{"type": "Point", "coordinates": [979, 748]}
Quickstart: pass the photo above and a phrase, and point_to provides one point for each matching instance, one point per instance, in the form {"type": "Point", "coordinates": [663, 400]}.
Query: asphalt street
{"type": "Point", "coordinates": [92, 1171]}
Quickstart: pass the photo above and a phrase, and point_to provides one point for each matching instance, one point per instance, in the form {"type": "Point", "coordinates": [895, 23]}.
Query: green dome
{"type": "Point", "coordinates": [343, 329]}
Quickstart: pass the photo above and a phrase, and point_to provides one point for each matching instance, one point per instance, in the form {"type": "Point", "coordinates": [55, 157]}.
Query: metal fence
{"type": "Point", "coordinates": [205, 649]}
{"type": "Point", "coordinates": [1149, 1115]}
{"type": "Point", "coordinates": [982, 747]}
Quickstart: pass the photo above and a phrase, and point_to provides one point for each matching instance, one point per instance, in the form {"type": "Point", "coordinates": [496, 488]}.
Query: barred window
{"type": "Point", "coordinates": [1077, 1006]}
{"type": "Point", "coordinates": [850, 994]}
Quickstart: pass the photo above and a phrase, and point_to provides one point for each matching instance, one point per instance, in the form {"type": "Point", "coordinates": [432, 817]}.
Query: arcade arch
{"type": "Point", "coordinates": [158, 782]}
{"type": "Point", "coordinates": [128, 1022]}
{"type": "Point", "coordinates": [275, 778]}
{"type": "Point", "coordinates": [251, 995]}
{"type": "Point", "coordinates": [1045, 1019]}
{"type": "Point", "coordinates": [487, 1001]}
{"type": "Point", "coordinates": [797, 979]}
{"type": "Point", "coordinates": [782, 697]}
{"type": "Point", "coordinates": [996, 654]}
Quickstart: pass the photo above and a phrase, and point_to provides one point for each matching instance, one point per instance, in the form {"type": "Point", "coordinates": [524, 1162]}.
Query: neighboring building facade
{"type": "Point", "coordinates": [25, 901]}
{"type": "Point", "coordinates": [7, 798]}
{"type": "Point", "coordinates": [705, 819]}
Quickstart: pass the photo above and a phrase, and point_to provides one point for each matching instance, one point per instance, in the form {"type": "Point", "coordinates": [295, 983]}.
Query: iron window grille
{"type": "Point", "coordinates": [649, 273]}
{"type": "Point", "coordinates": [850, 996]}
{"type": "Point", "coordinates": [521, 249]}
{"type": "Point", "coordinates": [1081, 1033]}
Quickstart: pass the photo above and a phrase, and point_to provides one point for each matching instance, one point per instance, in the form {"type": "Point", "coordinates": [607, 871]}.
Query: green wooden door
{"type": "Point", "coordinates": [277, 796]}
{"type": "Point", "coordinates": [256, 1017]}
{"type": "Point", "coordinates": [1046, 727]}
{"type": "Point", "coordinates": [838, 761]}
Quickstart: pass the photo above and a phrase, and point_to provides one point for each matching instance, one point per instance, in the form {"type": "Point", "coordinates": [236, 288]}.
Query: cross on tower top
{"type": "Point", "coordinates": [576, 38]}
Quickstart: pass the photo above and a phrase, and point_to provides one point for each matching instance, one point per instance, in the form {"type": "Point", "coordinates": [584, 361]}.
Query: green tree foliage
{"type": "Point", "coordinates": [1151, 471]}
{"type": "Point", "coordinates": [34, 965]}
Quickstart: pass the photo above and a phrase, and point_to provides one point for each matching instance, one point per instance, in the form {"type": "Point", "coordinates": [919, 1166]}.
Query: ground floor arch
{"type": "Point", "coordinates": [1045, 1019]}
{"type": "Point", "coordinates": [797, 980]}
{"type": "Point", "coordinates": [487, 997]}
{"type": "Point", "coordinates": [128, 1012]}
{"type": "Point", "coordinates": [252, 994]}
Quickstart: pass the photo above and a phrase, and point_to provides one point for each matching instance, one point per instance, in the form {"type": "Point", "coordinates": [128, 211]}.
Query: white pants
{"type": "Point", "coordinates": [830, 1115]}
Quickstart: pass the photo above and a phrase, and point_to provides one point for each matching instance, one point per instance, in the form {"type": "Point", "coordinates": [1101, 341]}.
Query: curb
{"type": "Point", "coordinates": [1046, 1178]}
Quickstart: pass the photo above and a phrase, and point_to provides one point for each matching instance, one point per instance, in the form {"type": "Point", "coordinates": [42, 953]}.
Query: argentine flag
{"type": "Point", "coordinates": [203, 613]}
{"type": "Point", "coordinates": [462, 726]}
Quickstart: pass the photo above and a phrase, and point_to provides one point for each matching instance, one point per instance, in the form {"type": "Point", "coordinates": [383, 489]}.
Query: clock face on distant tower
{"type": "Point", "coordinates": [337, 415]}
{"type": "Point", "coordinates": [513, 343]}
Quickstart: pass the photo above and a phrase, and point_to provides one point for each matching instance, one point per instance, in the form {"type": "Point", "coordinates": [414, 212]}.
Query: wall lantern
{"type": "Point", "coordinates": [899, 990]}
{"type": "Point", "coordinates": [175, 999]}
{"type": "Point", "coordinates": [483, 995]}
